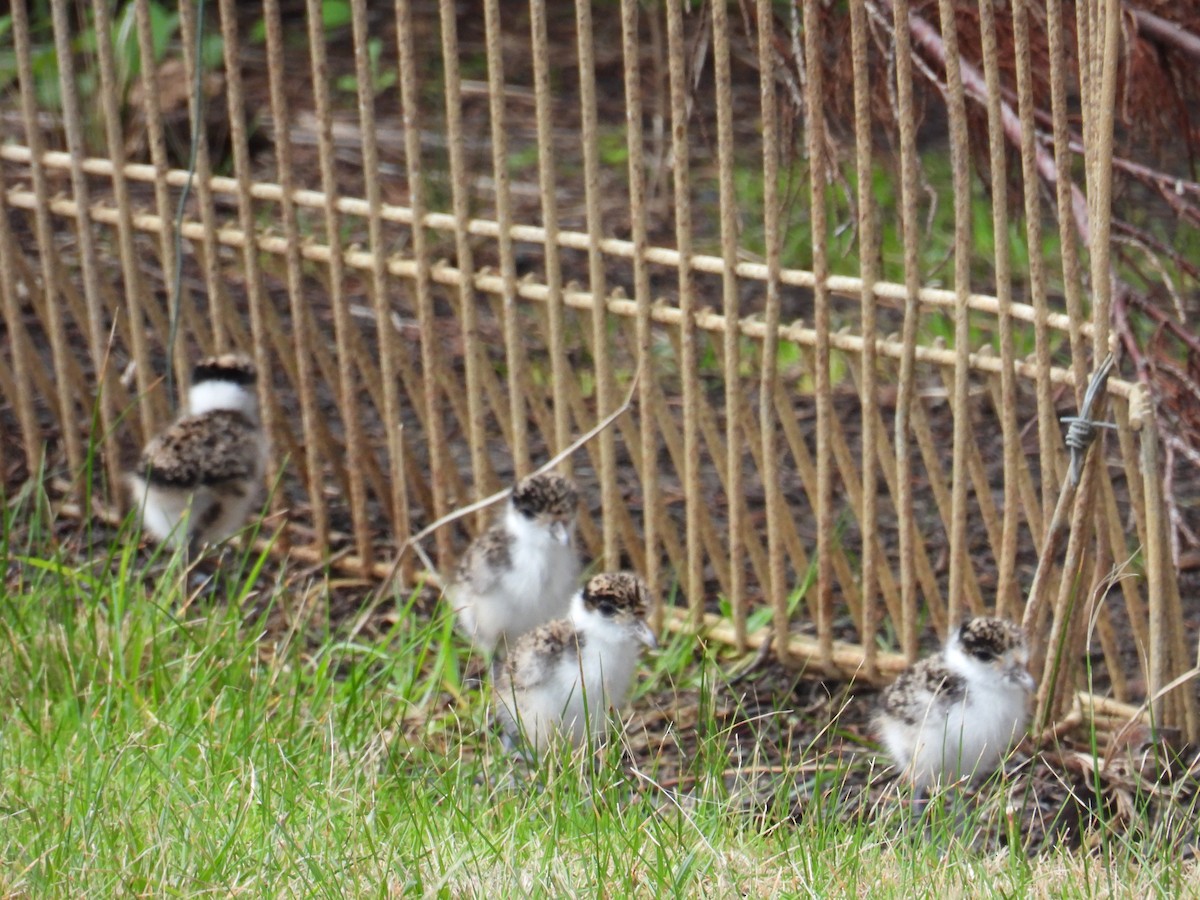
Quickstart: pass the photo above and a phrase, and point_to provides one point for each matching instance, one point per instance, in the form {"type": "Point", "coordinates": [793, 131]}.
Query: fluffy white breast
{"type": "Point", "coordinates": [609, 657]}
{"type": "Point", "coordinates": [209, 395]}
{"type": "Point", "coordinates": [161, 509]}
{"type": "Point", "coordinates": [970, 736]}
{"type": "Point", "coordinates": [556, 706]}
{"type": "Point", "coordinates": [536, 587]}
{"type": "Point", "coordinates": [542, 577]}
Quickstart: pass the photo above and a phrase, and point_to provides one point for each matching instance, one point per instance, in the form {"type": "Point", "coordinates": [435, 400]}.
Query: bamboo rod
{"type": "Point", "coordinates": [219, 312]}
{"type": "Point", "coordinates": [906, 116]}
{"type": "Point", "coordinates": [774, 588]}
{"type": "Point", "coordinates": [397, 500]}
{"type": "Point", "coordinates": [130, 274]}
{"type": "Point", "coordinates": [156, 141]}
{"type": "Point", "coordinates": [731, 347]}
{"type": "Point", "coordinates": [815, 143]}
{"type": "Point", "coordinates": [874, 560]}
{"type": "Point", "coordinates": [601, 352]}
{"type": "Point", "coordinates": [652, 516]}
{"type": "Point", "coordinates": [956, 106]}
{"type": "Point", "coordinates": [269, 411]}
{"type": "Point", "coordinates": [1007, 599]}
{"type": "Point", "coordinates": [346, 385]}
{"type": "Point", "coordinates": [547, 185]}
{"type": "Point", "coordinates": [301, 327]}
{"type": "Point", "coordinates": [514, 353]}
{"type": "Point", "coordinates": [693, 577]}
{"type": "Point", "coordinates": [68, 413]}
{"type": "Point", "coordinates": [468, 314]}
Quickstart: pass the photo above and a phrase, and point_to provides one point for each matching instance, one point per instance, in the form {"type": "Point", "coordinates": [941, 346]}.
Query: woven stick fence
{"type": "Point", "coordinates": [451, 239]}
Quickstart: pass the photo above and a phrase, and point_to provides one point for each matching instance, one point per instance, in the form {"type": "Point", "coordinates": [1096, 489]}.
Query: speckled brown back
{"type": "Point", "coordinates": [908, 697]}
{"type": "Point", "coordinates": [211, 448]}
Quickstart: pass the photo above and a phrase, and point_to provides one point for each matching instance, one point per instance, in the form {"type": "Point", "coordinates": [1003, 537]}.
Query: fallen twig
{"type": "Point", "coordinates": [415, 540]}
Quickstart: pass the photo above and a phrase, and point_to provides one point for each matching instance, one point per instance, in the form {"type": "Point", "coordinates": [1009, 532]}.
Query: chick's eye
{"type": "Point", "coordinates": [605, 608]}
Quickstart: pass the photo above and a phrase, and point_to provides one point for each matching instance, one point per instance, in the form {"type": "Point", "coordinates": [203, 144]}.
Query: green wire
{"type": "Point", "coordinates": [193, 152]}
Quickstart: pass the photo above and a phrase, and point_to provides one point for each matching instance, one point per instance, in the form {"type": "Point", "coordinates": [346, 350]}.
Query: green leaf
{"type": "Point", "coordinates": [163, 27]}
{"type": "Point", "coordinates": [335, 13]}
{"type": "Point", "coordinates": [212, 51]}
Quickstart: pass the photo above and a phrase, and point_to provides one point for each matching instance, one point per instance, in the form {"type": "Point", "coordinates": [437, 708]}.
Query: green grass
{"type": "Point", "coordinates": [156, 746]}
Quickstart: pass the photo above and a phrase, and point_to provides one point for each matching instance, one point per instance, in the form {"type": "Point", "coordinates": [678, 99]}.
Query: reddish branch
{"type": "Point", "coordinates": [1162, 29]}
{"type": "Point", "coordinates": [1149, 309]}
{"type": "Point", "coordinates": [927, 38]}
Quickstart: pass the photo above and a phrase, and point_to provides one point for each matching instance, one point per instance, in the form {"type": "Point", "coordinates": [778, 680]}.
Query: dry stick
{"type": "Point", "coordinates": [1137, 716]}
{"type": "Point", "coordinates": [415, 540]}
{"type": "Point", "coordinates": [1079, 439]}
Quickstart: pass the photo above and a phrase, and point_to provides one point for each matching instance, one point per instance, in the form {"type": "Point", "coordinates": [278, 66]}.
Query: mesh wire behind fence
{"type": "Point", "coordinates": [455, 236]}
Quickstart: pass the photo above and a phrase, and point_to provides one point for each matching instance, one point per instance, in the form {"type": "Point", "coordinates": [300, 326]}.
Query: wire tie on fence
{"type": "Point", "coordinates": [1081, 429]}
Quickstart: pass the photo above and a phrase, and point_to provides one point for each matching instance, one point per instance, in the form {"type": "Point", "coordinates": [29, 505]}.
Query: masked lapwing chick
{"type": "Point", "coordinates": [563, 676]}
{"type": "Point", "coordinates": [955, 715]}
{"type": "Point", "coordinates": [523, 570]}
{"type": "Point", "coordinates": [198, 481]}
